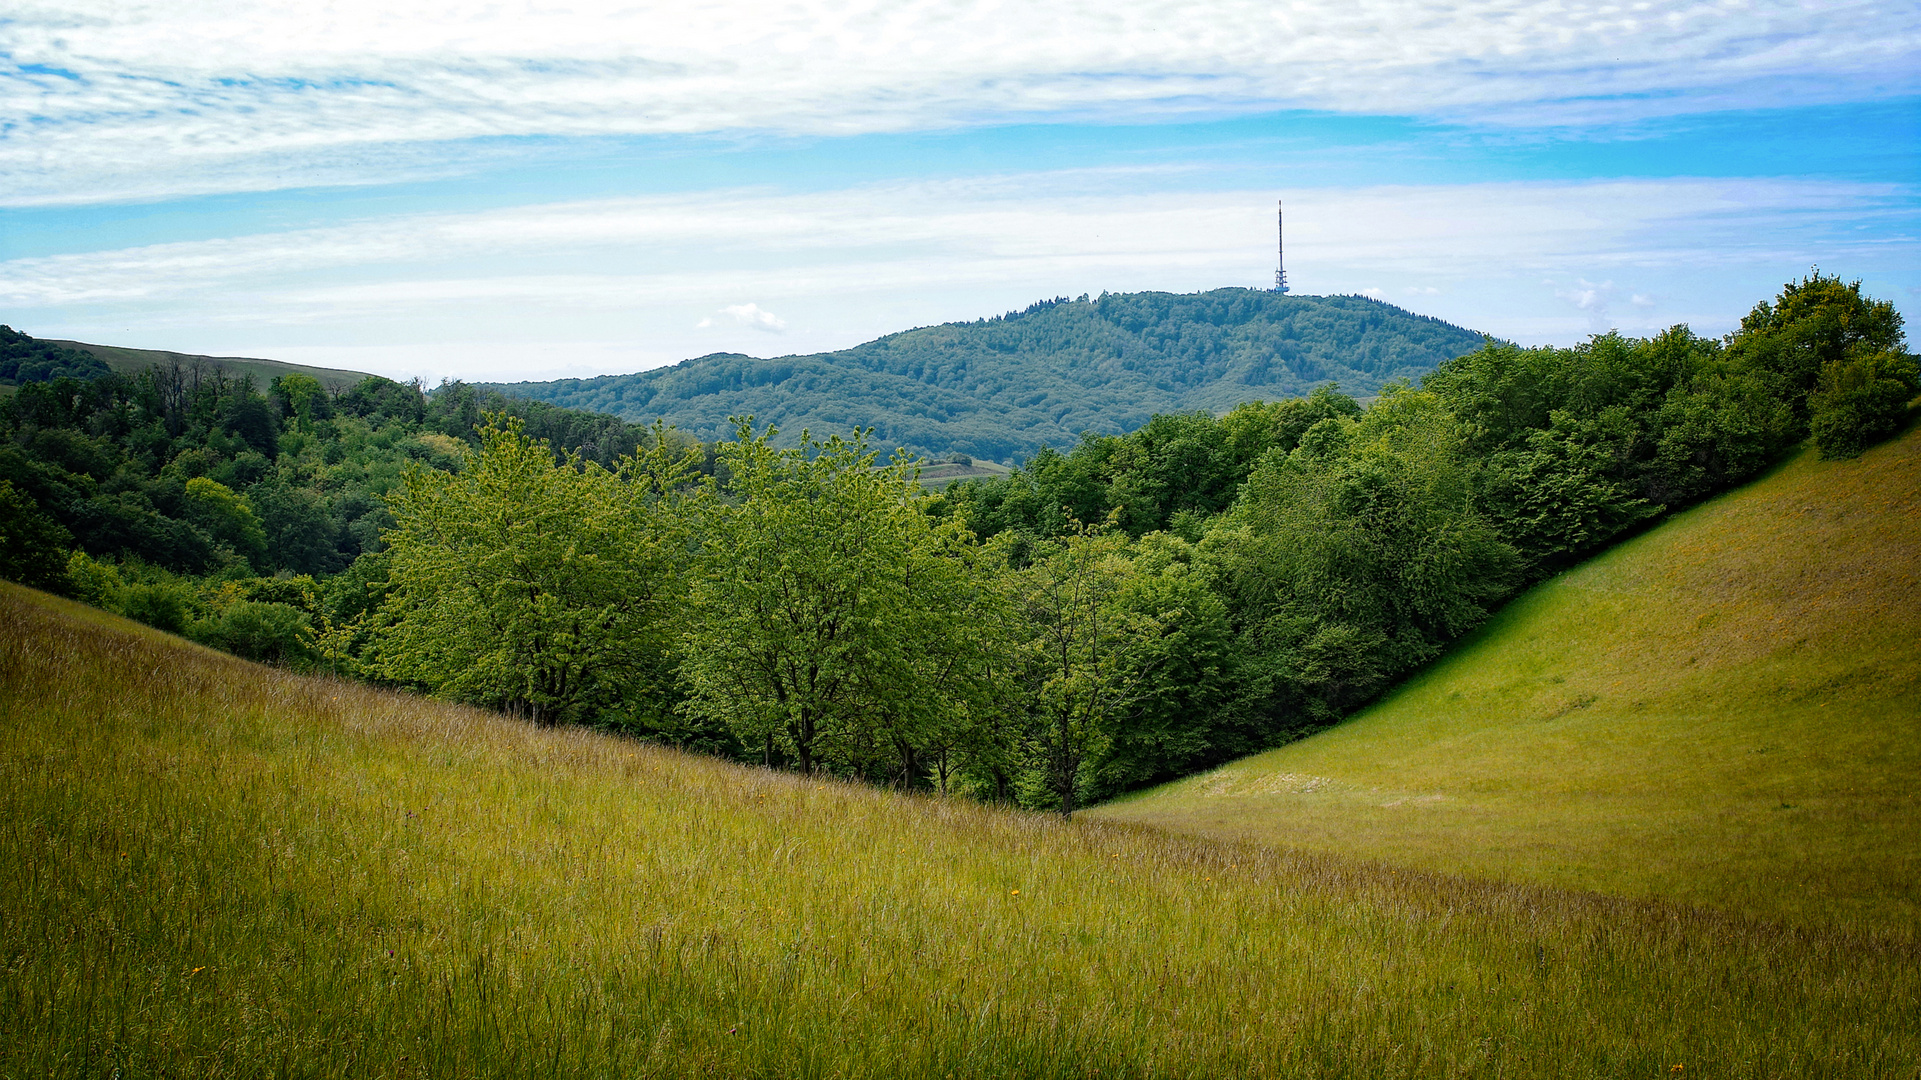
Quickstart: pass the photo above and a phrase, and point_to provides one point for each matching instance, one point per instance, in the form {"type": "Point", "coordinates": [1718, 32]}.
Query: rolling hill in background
{"type": "Point", "coordinates": [125, 361]}
{"type": "Point", "coordinates": [1001, 388]}
{"type": "Point", "coordinates": [1725, 711]}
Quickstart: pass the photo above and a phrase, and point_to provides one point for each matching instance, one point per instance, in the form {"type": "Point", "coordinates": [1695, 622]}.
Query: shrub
{"type": "Point", "coordinates": [1860, 401]}
{"type": "Point", "coordinates": [91, 581]}
{"type": "Point", "coordinates": [268, 632]}
{"type": "Point", "coordinates": [161, 605]}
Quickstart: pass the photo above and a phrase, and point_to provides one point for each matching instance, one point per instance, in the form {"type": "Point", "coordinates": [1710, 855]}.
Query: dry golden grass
{"type": "Point", "coordinates": [1725, 711]}
{"type": "Point", "coordinates": [212, 869]}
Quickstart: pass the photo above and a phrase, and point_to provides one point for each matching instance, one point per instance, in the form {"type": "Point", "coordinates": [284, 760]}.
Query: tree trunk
{"type": "Point", "coordinates": [1066, 764]}
{"type": "Point", "coordinates": [909, 763]}
{"type": "Point", "coordinates": [804, 744]}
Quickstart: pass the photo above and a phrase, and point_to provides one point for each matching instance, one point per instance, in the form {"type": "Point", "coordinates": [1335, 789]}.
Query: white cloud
{"type": "Point", "coordinates": [643, 281]}
{"type": "Point", "coordinates": [750, 315]}
{"type": "Point", "coordinates": [126, 97]}
{"type": "Point", "coordinates": [1587, 295]}
{"type": "Point", "coordinates": [789, 244]}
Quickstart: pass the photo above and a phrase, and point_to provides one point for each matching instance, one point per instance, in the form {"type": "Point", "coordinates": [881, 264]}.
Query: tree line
{"type": "Point", "coordinates": [24, 360]}
{"type": "Point", "coordinates": [1134, 609]}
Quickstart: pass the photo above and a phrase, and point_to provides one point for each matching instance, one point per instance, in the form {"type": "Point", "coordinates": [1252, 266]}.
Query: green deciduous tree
{"type": "Point", "coordinates": [33, 546]}
{"type": "Point", "coordinates": [550, 589]}
{"type": "Point", "coordinates": [272, 633]}
{"type": "Point", "coordinates": [1835, 357]}
{"type": "Point", "coordinates": [1861, 400]}
{"type": "Point", "coordinates": [1817, 321]}
{"type": "Point", "coordinates": [228, 518]}
{"type": "Point", "coordinates": [833, 611]}
{"type": "Point", "coordinates": [1083, 653]}
{"type": "Point", "coordinates": [1357, 556]}
{"type": "Point", "coordinates": [1179, 713]}
{"type": "Point", "coordinates": [303, 397]}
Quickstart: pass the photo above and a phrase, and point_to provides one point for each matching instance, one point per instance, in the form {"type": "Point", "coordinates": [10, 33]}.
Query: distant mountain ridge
{"type": "Point", "coordinates": [1001, 388]}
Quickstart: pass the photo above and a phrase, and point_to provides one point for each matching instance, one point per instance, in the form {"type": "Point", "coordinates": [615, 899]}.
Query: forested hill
{"type": "Point", "coordinates": [1001, 388]}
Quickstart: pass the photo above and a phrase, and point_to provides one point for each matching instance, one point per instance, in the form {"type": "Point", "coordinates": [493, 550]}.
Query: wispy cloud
{"type": "Point", "coordinates": [957, 227]}
{"type": "Point", "coordinates": [110, 98]}
{"type": "Point", "coordinates": [667, 273]}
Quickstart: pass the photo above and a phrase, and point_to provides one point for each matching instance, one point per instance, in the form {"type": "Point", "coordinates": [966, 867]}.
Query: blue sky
{"type": "Point", "coordinates": [520, 190]}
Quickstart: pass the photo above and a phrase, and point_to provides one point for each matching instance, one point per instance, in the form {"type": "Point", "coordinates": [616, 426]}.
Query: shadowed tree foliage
{"type": "Point", "coordinates": [1184, 711]}
{"type": "Point", "coordinates": [24, 360]}
{"type": "Point", "coordinates": [1083, 655]}
{"type": "Point", "coordinates": [1356, 556]}
{"type": "Point", "coordinates": [33, 546]}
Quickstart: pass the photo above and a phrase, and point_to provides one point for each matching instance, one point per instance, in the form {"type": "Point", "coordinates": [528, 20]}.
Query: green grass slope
{"type": "Point", "coordinates": [1724, 711]}
{"type": "Point", "coordinates": [941, 474]}
{"type": "Point", "coordinates": [213, 869]}
{"type": "Point", "coordinates": [998, 389]}
{"type": "Point", "coordinates": [125, 361]}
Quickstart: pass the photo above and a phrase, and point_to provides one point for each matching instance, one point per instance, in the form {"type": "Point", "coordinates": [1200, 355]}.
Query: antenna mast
{"type": "Point", "coordinates": [1280, 247]}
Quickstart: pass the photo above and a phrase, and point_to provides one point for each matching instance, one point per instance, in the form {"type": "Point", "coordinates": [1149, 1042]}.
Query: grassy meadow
{"type": "Point", "coordinates": [1724, 711]}
{"type": "Point", "coordinates": [210, 868]}
{"type": "Point", "coordinates": [940, 474]}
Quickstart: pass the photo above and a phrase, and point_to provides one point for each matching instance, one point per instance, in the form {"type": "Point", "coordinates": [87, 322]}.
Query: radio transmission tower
{"type": "Point", "coordinates": [1280, 247]}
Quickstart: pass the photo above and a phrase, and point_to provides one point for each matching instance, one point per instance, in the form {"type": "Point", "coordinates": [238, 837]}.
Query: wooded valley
{"type": "Point", "coordinates": [1131, 609]}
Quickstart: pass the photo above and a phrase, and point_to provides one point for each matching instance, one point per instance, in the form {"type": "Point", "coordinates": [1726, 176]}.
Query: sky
{"type": "Point", "coordinates": [532, 189]}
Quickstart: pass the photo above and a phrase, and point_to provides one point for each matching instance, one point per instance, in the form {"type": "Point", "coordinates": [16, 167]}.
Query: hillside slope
{"type": "Point", "coordinates": [1001, 388]}
{"type": "Point", "coordinates": [1723, 711]}
{"type": "Point", "coordinates": [126, 361]}
{"type": "Point", "coordinates": [209, 868]}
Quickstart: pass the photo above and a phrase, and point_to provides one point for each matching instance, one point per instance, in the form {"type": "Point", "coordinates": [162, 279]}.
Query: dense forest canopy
{"type": "Point", "coordinates": [1129, 609]}
{"type": "Point", "coordinates": [24, 360]}
{"type": "Point", "coordinates": [1001, 388]}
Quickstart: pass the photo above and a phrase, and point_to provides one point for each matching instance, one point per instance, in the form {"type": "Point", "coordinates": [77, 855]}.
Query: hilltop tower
{"type": "Point", "coordinates": [1280, 247]}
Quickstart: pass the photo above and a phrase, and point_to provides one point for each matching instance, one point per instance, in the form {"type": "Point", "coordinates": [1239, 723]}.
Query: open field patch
{"type": "Point", "coordinates": [211, 868]}
{"type": "Point", "coordinates": [1725, 711]}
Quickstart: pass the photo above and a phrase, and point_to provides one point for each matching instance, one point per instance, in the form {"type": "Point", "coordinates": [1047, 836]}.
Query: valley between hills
{"type": "Point", "coordinates": [1530, 713]}
{"type": "Point", "coordinates": [1724, 711]}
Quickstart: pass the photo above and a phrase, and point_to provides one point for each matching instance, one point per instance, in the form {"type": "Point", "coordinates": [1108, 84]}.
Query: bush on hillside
{"type": "Point", "coordinates": [271, 633]}
{"type": "Point", "coordinates": [1861, 401]}
{"type": "Point", "coordinates": [160, 604]}
{"type": "Point", "coordinates": [93, 582]}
